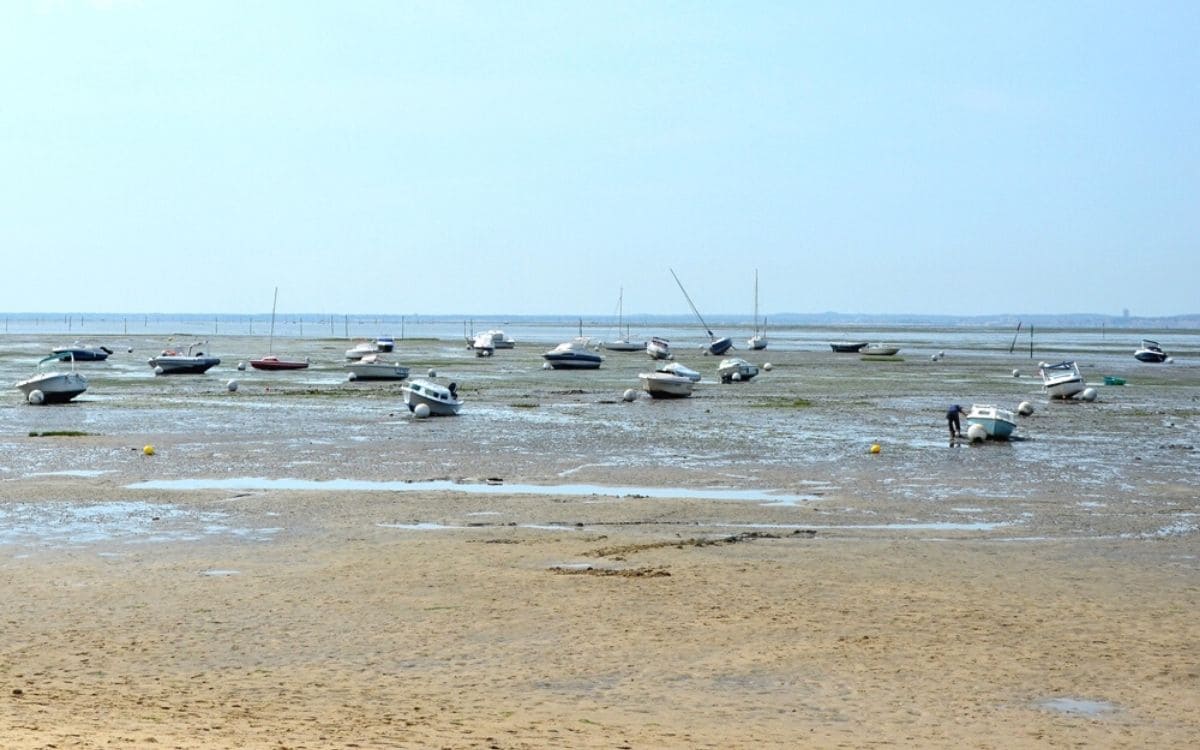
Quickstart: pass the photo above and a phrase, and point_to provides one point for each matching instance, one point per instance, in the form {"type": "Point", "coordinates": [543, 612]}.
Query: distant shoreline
{"type": "Point", "coordinates": [1068, 320]}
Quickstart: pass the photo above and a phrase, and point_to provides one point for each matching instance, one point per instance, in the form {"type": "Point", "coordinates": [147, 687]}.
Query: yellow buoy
{"type": "Point", "coordinates": [148, 450]}
{"type": "Point", "coordinates": [875, 448]}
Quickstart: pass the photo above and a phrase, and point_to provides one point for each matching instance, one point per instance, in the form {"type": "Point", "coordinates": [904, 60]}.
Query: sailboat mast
{"type": "Point", "coordinates": [271, 344]}
{"type": "Point", "coordinates": [756, 302]}
{"type": "Point", "coordinates": [690, 303]}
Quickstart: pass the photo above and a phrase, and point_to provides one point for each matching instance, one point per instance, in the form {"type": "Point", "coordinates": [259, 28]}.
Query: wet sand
{"type": "Point", "coordinates": [1037, 594]}
{"type": "Point", "coordinates": [349, 619]}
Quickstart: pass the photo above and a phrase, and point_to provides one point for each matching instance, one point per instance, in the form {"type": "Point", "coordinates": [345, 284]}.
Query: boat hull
{"type": "Point", "coordinates": [847, 347]}
{"type": "Point", "coordinates": [879, 351]}
{"type": "Point", "coordinates": [736, 370]}
{"type": "Point", "coordinates": [998, 423]}
{"type": "Point", "coordinates": [376, 371]}
{"type": "Point", "coordinates": [658, 348]}
{"type": "Point", "coordinates": [441, 401]}
{"type": "Point", "coordinates": [718, 347]}
{"type": "Point", "coordinates": [56, 387]}
{"type": "Point", "coordinates": [1065, 388]}
{"type": "Point", "coordinates": [757, 343]}
{"type": "Point", "coordinates": [574, 361]}
{"type": "Point", "coordinates": [183, 365]}
{"type": "Point", "coordinates": [277, 364]}
{"type": "Point", "coordinates": [666, 385]}
{"type": "Point", "coordinates": [1148, 355]}
{"type": "Point", "coordinates": [1063, 380]}
{"type": "Point", "coordinates": [81, 354]}
{"type": "Point", "coordinates": [625, 345]}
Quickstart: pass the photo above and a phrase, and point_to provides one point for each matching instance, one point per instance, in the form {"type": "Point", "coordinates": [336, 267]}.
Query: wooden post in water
{"type": "Point", "coordinates": [1031, 341]}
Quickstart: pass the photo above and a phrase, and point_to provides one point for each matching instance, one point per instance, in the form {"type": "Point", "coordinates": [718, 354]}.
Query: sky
{"type": "Point", "coordinates": [533, 157]}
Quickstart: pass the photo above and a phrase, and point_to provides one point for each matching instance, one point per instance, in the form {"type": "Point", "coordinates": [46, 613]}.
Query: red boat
{"type": "Point", "coordinates": [271, 362]}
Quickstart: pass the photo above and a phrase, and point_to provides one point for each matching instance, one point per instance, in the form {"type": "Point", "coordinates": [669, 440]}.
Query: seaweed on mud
{"type": "Point", "coordinates": [627, 549]}
{"type": "Point", "coordinates": [783, 403]}
{"type": "Point", "coordinates": [59, 433]}
{"type": "Point", "coordinates": [625, 573]}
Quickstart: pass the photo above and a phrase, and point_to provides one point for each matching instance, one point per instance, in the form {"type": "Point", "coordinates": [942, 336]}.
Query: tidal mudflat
{"type": "Point", "coordinates": [301, 563]}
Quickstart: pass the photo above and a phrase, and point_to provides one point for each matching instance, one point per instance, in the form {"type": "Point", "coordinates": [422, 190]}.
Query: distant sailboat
{"type": "Point", "coordinates": [759, 339]}
{"type": "Point", "coordinates": [717, 346]}
{"type": "Point", "coordinates": [623, 344]}
{"type": "Point", "coordinates": [272, 361]}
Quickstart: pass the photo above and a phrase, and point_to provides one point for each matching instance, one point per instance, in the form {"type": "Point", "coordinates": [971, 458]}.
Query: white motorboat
{"type": "Point", "coordinates": [483, 344]}
{"type": "Point", "coordinates": [736, 370]}
{"type": "Point", "coordinates": [999, 423]}
{"type": "Point", "coordinates": [879, 350]}
{"type": "Point", "coordinates": [53, 387]}
{"type": "Point", "coordinates": [501, 340]}
{"type": "Point", "coordinates": [681, 370]}
{"type": "Point", "coordinates": [189, 362]}
{"type": "Point", "coordinates": [442, 400]}
{"type": "Point", "coordinates": [1149, 351]}
{"type": "Point", "coordinates": [717, 346]}
{"type": "Point", "coordinates": [371, 367]}
{"type": "Point", "coordinates": [573, 355]}
{"type": "Point", "coordinates": [385, 343]}
{"type": "Point", "coordinates": [758, 340]}
{"type": "Point", "coordinates": [664, 384]}
{"type": "Point", "coordinates": [1062, 380]}
{"type": "Point", "coordinates": [659, 348]}
{"type": "Point", "coordinates": [362, 349]}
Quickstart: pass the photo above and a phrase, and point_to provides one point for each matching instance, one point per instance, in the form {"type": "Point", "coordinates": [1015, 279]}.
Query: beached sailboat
{"type": "Point", "coordinates": [273, 361]}
{"type": "Point", "coordinates": [717, 346]}
{"type": "Point", "coordinates": [623, 344]}
{"type": "Point", "coordinates": [759, 339]}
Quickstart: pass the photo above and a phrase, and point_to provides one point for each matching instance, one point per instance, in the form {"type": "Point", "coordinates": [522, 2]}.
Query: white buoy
{"type": "Point", "coordinates": [131, 350]}
{"type": "Point", "coordinates": [976, 433]}
{"type": "Point", "coordinates": [736, 377]}
{"type": "Point", "coordinates": [546, 366]}
{"type": "Point", "coordinates": [768, 366]}
{"type": "Point", "coordinates": [352, 377]}
{"type": "Point", "coordinates": [1024, 408]}
{"type": "Point", "coordinates": [933, 358]}
{"type": "Point", "coordinates": [1169, 360]}
{"type": "Point", "coordinates": [432, 373]}
{"type": "Point", "coordinates": [242, 366]}
{"type": "Point", "coordinates": [420, 411]}
{"type": "Point", "coordinates": [941, 354]}
{"type": "Point", "coordinates": [1089, 394]}
{"type": "Point", "coordinates": [158, 370]}
{"type": "Point", "coordinates": [1016, 373]}
{"type": "Point", "coordinates": [629, 394]}
{"type": "Point", "coordinates": [232, 386]}
{"type": "Point", "coordinates": [36, 397]}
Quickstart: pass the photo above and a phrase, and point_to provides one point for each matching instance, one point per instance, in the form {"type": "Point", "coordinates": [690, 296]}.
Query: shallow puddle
{"type": "Point", "coordinates": [442, 485]}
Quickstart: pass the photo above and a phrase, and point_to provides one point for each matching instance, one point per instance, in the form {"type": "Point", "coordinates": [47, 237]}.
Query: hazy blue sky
{"type": "Point", "coordinates": [535, 157]}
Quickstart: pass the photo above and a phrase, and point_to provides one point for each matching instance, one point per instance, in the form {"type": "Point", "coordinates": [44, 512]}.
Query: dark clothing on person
{"type": "Point", "coordinates": [952, 419]}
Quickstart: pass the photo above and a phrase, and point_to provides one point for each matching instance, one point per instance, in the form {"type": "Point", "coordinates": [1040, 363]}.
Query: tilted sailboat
{"type": "Point", "coordinates": [717, 346]}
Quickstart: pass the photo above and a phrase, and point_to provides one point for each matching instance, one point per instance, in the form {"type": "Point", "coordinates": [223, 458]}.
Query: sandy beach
{"type": "Point", "coordinates": [857, 600]}
{"type": "Point", "coordinates": [358, 624]}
